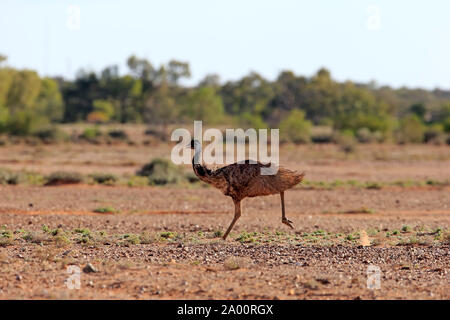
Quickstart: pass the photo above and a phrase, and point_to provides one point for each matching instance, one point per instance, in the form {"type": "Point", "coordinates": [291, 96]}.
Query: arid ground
{"type": "Point", "coordinates": [383, 206]}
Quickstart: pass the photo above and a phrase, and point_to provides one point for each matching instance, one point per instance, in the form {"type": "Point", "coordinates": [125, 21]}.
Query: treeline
{"type": "Point", "coordinates": [154, 95]}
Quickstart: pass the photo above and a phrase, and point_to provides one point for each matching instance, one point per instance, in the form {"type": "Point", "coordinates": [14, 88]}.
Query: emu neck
{"type": "Point", "coordinates": [200, 170]}
{"type": "Point", "coordinates": [197, 156]}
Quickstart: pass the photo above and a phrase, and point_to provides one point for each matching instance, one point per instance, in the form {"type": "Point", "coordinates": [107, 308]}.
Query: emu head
{"type": "Point", "coordinates": [195, 144]}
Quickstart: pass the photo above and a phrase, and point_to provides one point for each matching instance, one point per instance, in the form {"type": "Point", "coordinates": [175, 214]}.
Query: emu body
{"type": "Point", "coordinates": [244, 179]}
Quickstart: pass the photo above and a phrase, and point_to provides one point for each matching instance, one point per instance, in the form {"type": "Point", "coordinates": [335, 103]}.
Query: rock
{"type": "Point", "coordinates": [89, 268]}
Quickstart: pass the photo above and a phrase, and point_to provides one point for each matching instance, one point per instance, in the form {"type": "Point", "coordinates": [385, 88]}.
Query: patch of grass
{"type": "Point", "coordinates": [370, 185]}
{"type": "Point", "coordinates": [137, 181]}
{"type": "Point", "coordinates": [374, 185]}
{"type": "Point", "coordinates": [246, 237]}
{"type": "Point", "coordinates": [6, 237]}
{"type": "Point", "coordinates": [45, 228]}
{"type": "Point", "coordinates": [105, 210]}
{"type": "Point", "coordinates": [131, 239]}
{"type": "Point", "coordinates": [146, 238]}
{"type": "Point", "coordinates": [62, 240]}
{"type": "Point", "coordinates": [35, 237]}
{"type": "Point", "coordinates": [83, 231]}
{"type": "Point", "coordinates": [406, 228]}
{"type": "Point", "coordinates": [61, 177]}
{"type": "Point", "coordinates": [167, 235]}
{"type": "Point", "coordinates": [218, 234]}
{"type": "Point", "coordinates": [351, 237]}
{"type": "Point", "coordinates": [104, 178]}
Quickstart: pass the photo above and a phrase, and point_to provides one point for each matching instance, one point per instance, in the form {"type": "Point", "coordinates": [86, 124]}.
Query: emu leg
{"type": "Point", "coordinates": [237, 214]}
{"type": "Point", "coordinates": [283, 212]}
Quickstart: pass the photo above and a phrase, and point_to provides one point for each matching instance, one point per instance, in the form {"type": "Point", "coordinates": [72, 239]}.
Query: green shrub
{"type": "Point", "coordinates": [435, 134]}
{"type": "Point", "coordinates": [91, 134]}
{"type": "Point", "coordinates": [61, 177]}
{"type": "Point", "coordinates": [9, 177]}
{"type": "Point", "coordinates": [250, 120]}
{"type": "Point", "coordinates": [118, 134]}
{"type": "Point", "coordinates": [161, 171]}
{"type": "Point", "coordinates": [294, 128]}
{"type": "Point", "coordinates": [364, 135]}
{"type": "Point", "coordinates": [346, 141]}
{"type": "Point", "coordinates": [191, 177]}
{"type": "Point", "coordinates": [322, 134]}
{"type": "Point", "coordinates": [446, 124]}
{"type": "Point", "coordinates": [104, 178]}
{"type": "Point", "coordinates": [105, 210]}
{"type": "Point", "coordinates": [51, 135]}
{"type": "Point", "coordinates": [411, 129]}
{"type": "Point", "coordinates": [24, 123]}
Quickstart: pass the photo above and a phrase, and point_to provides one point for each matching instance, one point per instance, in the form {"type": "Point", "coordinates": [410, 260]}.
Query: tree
{"type": "Point", "coordinates": [320, 97]}
{"type": "Point", "coordinates": [419, 109]}
{"type": "Point", "coordinates": [160, 108]}
{"type": "Point", "coordinates": [6, 79]}
{"type": "Point", "coordinates": [203, 104]}
{"type": "Point", "coordinates": [141, 68]}
{"type": "Point", "coordinates": [177, 70]}
{"type": "Point", "coordinates": [411, 129]}
{"type": "Point", "coordinates": [24, 90]}
{"type": "Point", "coordinates": [103, 111]}
{"type": "Point", "coordinates": [295, 128]}
{"type": "Point", "coordinates": [250, 94]}
{"type": "Point", "coordinates": [49, 102]}
{"type": "Point", "coordinates": [80, 95]}
{"type": "Point", "coordinates": [210, 80]}
{"type": "Point", "coordinates": [358, 108]}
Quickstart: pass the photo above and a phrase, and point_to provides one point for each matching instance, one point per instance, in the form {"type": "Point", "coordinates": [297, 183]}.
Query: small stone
{"type": "Point", "coordinates": [18, 277]}
{"type": "Point", "coordinates": [89, 268]}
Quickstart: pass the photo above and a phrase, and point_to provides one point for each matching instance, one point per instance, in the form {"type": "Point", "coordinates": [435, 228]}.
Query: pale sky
{"type": "Point", "coordinates": [392, 42]}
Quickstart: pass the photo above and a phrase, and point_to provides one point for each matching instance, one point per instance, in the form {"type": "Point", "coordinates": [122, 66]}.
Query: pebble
{"type": "Point", "coordinates": [89, 268]}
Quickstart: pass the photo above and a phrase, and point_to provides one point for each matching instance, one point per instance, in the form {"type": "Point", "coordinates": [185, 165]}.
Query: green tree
{"type": "Point", "coordinates": [160, 108]}
{"type": "Point", "coordinates": [419, 109]}
{"type": "Point", "coordinates": [6, 79]}
{"type": "Point", "coordinates": [295, 128]}
{"type": "Point", "coordinates": [411, 129]}
{"type": "Point", "coordinates": [251, 94]}
{"type": "Point", "coordinates": [24, 90]}
{"type": "Point", "coordinates": [358, 108]}
{"type": "Point", "coordinates": [49, 103]}
{"type": "Point", "coordinates": [203, 104]}
{"type": "Point", "coordinates": [177, 70]}
{"type": "Point", "coordinates": [102, 111]}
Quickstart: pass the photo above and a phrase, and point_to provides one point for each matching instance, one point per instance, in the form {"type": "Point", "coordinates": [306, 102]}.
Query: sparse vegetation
{"type": "Point", "coordinates": [105, 210]}
{"type": "Point", "coordinates": [104, 178]}
{"type": "Point", "coordinates": [61, 177]}
{"type": "Point", "coordinates": [161, 172]}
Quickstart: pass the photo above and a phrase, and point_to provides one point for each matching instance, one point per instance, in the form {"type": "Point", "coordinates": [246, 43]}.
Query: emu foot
{"type": "Point", "coordinates": [287, 222]}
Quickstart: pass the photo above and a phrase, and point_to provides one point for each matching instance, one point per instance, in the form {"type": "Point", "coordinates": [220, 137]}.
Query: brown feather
{"type": "Point", "coordinates": [241, 180]}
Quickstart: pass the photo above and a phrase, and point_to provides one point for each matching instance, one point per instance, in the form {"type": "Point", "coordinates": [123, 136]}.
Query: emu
{"type": "Point", "coordinates": [243, 179]}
